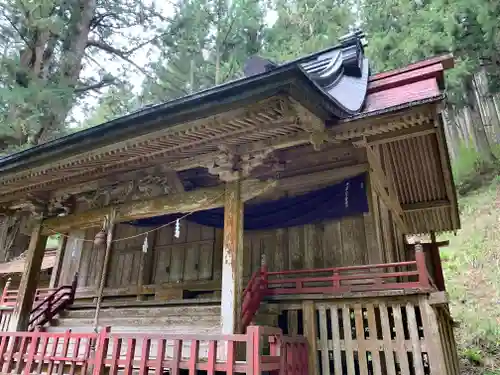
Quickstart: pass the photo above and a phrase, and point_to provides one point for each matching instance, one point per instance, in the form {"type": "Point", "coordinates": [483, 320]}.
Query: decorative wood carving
{"type": "Point", "coordinates": [199, 199]}
{"type": "Point", "coordinates": [132, 190]}
{"type": "Point", "coordinates": [230, 167]}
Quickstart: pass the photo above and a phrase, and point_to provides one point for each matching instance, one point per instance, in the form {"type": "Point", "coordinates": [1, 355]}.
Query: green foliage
{"type": "Point", "coordinates": [472, 270]}
{"type": "Point", "coordinates": [118, 101]}
{"type": "Point", "coordinates": [51, 60]}
{"type": "Point", "coordinates": [471, 171]}
{"type": "Point", "coordinates": [306, 26]}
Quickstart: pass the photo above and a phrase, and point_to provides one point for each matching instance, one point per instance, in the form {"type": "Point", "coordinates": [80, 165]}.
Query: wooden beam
{"type": "Point", "coordinates": [420, 206]}
{"type": "Point", "coordinates": [196, 200]}
{"type": "Point", "coordinates": [384, 188]}
{"type": "Point", "coordinates": [399, 135]}
{"type": "Point", "coordinates": [446, 169]}
{"type": "Point", "coordinates": [29, 281]}
{"type": "Point", "coordinates": [232, 260]}
{"type": "Point", "coordinates": [322, 177]}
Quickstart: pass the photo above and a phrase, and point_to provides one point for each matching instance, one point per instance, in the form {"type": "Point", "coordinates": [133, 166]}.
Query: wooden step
{"type": "Point", "coordinates": [150, 312]}
{"type": "Point", "coordinates": [139, 321]}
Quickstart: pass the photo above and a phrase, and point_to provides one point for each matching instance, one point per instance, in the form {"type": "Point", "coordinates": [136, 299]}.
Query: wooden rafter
{"type": "Point", "coordinates": [399, 135]}
{"type": "Point", "coordinates": [274, 133]}
{"type": "Point", "coordinates": [199, 199]}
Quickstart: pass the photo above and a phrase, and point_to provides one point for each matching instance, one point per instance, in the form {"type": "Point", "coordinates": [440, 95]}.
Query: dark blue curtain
{"type": "Point", "coordinates": [346, 198]}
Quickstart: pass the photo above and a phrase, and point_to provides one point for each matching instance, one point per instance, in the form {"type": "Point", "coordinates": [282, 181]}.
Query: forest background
{"type": "Point", "coordinates": [70, 64]}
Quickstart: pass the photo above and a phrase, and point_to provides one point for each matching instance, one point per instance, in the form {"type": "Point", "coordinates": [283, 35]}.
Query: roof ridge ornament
{"type": "Point", "coordinates": [342, 74]}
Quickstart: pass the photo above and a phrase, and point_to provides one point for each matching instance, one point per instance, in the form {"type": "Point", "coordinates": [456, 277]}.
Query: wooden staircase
{"type": "Point", "coordinates": [200, 317]}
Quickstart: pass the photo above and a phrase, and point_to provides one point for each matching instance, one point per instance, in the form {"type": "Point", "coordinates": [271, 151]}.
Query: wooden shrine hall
{"type": "Point", "coordinates": [265, 225]}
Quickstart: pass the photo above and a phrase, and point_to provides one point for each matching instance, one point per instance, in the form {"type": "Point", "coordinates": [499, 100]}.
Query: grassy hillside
{"type": "Point", "coordinates": [472, 271]}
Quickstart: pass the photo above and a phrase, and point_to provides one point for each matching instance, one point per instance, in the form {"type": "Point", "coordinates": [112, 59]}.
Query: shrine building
{"type": "Point", "coordinates": [281, 223]}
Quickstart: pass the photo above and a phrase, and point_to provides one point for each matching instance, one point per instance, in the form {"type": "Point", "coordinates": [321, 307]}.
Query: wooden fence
{"type": "Point", "coordinates": [390, 335]}
{"type": "Point", "coordinates": [261, 349]}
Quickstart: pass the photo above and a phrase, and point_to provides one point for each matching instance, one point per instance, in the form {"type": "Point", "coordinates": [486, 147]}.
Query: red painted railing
{"type": "Point", "coordinates": [110, 353]}
{"type": "Point", "coordinates": [252, 296]}
{"type": "Point", "coordinates": [56, 302]}
{"type": "Point", "coordinates": [48, 302]}
{"type": "Point", "coordinates": [334, 281]}
{"type": "Point", "coordinates": [9, 296]}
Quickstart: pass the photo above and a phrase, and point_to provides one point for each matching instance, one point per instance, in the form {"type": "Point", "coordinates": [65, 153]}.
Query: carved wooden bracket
{"type": "Point", "coordinates": [313, 124]}
{"type": "Point", "coordinates": [230, 167]}
{"type": "Point", "coordinates": [36, 205]}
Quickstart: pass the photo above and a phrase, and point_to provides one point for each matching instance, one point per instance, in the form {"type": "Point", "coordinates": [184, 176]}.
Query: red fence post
{"type": "Point", "coordinates": [101, 350]}
{"type": "Point", "coordinates": [5, 291]}
{"type": "Point", "coordinates": [423, 276]}
{"type": "Point", "coordinates": [253, 350]}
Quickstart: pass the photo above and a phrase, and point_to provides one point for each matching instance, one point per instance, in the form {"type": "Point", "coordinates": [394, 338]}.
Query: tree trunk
{"type": "Point", "coordinates": [479, 135]}
{"type": "Point", "coordinates": [463, 130]}
{"type": "Point", "coordinates": [451, 132]}
{"type": "Point", "coordinates": [71, 66]}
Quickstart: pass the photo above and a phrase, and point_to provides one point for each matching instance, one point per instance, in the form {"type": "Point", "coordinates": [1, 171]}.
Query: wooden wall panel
{"type": "Point", "coordinates": [197, 254]}
{"type": "Point", "coordinates": [328, 244]}
{"type": "Point", "coordinates": [187, 258]}
{"type": "Point", "coordinates": [125, 256]}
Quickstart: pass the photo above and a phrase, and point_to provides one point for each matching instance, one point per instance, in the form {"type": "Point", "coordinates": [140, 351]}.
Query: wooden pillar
{"type": "Point", "coordinates": [232, 260]}
{"type": "Point", "coordinates": [29, 280]}
{"type": "Point", "coordinates": [436, 262]}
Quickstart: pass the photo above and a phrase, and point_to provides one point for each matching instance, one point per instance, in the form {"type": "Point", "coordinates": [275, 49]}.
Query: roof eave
{"type": "Point", "coordinates": [288, 79]}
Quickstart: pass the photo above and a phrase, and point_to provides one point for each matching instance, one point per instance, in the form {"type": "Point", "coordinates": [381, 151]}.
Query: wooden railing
{"type": "Point", "coordinates": [59, 300]}
{"type": "Point", "coordinates": [334, 281]}
{"type": "Point", "coordinates": [113, 353]}
{"type": "Point", "coordinates": [252, 296]}
{"type": "Point", "coordinates": [48, 302]}
{"type": "Point", "coordinates": [9, 296]}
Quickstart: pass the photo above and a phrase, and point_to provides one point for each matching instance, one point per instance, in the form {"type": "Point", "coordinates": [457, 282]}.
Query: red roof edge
{"type": "Point", "coordinates": [447, 62]}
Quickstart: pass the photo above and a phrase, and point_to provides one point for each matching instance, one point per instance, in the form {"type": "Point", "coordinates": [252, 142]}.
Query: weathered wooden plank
{"type": "Point", "coordinates": [372, 330]}
{"type": "Point", "coordinates": [415, 339]}
{"type": "Point", "coordinates": [19, 319]}
{"type": "Point", "coordinates": [360, 338]}
{"type": "Point", "coordinates": [337, 358]}
{"type": "Point", "coordinates": [56, 270]}
{"type": "Point", "coordinates": [386, 336]}
{"type": "Point", "coordinates": [281, 253]}
{"type": "Point", "coordinates": [296, 247]}
{"type": "Point", "coordinates": [206, 253]}
{"type": "Point", "coordinates": [323, 333]}
{"type": "Point", "coordinates": [349, 350]}
{"type": "Point", "coordinates": [400, 339]}
{"type": "Point", "coordinates": [293, 322]}
{"type": "Point", "coordinates": [217, 262]}
{"type": "Point", "coordinates": [195, 200]}
{"type": "Point", "coordinates": [431, 328]}
{"type": "Point", "coordinates": [75, 249]}
{"type": "Point", "coordinates": [310, 330]}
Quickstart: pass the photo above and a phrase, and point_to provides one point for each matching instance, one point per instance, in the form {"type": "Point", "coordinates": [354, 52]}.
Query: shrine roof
{"type": "Point", "coordinates": [334, 84]}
